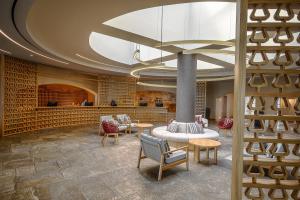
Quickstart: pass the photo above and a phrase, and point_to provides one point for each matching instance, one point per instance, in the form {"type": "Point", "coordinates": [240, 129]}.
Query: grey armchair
{"type": "Point", "coordinates": [158, 149]}
{"type": "Point", "coordinates": [124, 119]}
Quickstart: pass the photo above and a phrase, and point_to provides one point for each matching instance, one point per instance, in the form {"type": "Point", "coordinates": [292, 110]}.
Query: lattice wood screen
{"type": "Point", "coordinates": [200, 104]}
{"type": "Point", "coordinates": [274, 63]}
{"type": "Point", "coordinates": [120, 89]}
{"type": "Point", "coordinates": [21, 114]}
{"type": "Point", "coordinates": [20, 96]}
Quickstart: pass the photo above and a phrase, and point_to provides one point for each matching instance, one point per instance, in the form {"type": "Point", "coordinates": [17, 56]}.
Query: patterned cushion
{"type": "Point", "coordinates": [198, 119]}
{"type": "Point", "coordinates": [194, 128]}
{"type": "Point", "coordinates": [182, 127]}
{"type": "Point", "coordinates": [110, 127]}
{"type": "Point", "coordinates": [124, 119]}
{"type": "Point", "coordinates": [170, 121]}
{"type": "Point", "coordinates": [172, 127]}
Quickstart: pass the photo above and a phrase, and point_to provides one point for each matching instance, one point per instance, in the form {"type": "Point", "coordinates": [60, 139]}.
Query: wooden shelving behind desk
{"type": "Point", "coordinates": [53, 117]}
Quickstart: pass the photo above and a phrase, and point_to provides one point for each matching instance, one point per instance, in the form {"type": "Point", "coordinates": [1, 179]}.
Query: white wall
{"type": "Point", "coordinates": [215, 90]}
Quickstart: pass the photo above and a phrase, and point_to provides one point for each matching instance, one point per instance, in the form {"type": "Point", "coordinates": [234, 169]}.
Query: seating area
{"type": "Point", "coordinates": [150, 100]}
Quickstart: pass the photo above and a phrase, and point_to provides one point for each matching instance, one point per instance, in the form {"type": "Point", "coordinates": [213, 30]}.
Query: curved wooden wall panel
{"type": "Point", "coordinates": [274, 50]}
{"type": "Point", "coordinates": [21, 113]}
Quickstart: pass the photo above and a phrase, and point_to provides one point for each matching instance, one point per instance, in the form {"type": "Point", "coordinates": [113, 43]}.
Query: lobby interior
{"type": "Point", "coordinates": [151, 99]}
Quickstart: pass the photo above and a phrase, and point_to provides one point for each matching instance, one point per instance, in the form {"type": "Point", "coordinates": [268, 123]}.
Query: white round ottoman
{"type": "Point", "coordinates": [180, 139]}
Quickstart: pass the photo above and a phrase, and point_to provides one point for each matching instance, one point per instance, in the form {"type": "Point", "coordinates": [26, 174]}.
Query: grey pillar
{"type": "Point", "coordinates": [186, 87]}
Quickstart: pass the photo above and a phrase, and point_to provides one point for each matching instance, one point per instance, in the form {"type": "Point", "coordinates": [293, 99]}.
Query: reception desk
{"type": "Point", "coordinates": [52, 117]}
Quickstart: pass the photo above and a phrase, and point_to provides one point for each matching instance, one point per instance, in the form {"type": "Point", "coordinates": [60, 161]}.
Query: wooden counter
{"type": "Point", "coordinates": [52, 117]}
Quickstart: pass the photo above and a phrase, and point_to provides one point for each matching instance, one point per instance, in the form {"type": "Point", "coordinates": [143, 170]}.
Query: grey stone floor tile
{"type": "Point", "coordinates": [72, 164]}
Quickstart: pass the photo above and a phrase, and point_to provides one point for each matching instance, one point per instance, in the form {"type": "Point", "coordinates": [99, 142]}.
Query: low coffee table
{"type": "Point", "coordinates": [142, 126]}
{"type": "Point", "coordinates": [205, 144]}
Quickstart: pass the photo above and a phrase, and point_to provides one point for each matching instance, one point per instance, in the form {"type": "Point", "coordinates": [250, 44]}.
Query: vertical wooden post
{"type": "Point", "coordinates": [239, 99]}
{"type": "Point", "coordinates": [2, 94]}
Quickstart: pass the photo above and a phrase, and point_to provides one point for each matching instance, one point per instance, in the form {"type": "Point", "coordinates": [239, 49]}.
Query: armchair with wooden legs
{"type": "Point", "coordinates": [158, 150]}
{"type": "Point", "coordinates": [110, 130]}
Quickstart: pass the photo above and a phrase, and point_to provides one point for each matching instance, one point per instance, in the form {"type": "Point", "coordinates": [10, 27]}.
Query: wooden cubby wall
{"type": "Point", "coordinates": [120, 89]}
{"type": "Point", "coordinates": [20, 96]}
{"type": "Point", "coordinates": [22, 113]}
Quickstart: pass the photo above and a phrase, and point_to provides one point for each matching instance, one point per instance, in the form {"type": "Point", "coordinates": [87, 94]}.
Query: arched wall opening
{"type": "Point", "coordinates": [64, 95]}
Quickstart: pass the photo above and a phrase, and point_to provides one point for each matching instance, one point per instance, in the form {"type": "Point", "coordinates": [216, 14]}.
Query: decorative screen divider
{"type": "Point", "coordinates": [20, 96]}
{"type": "Point", "coordinates": [120, 89]}
{"type": "Point", "coordinates": [273, 167]}
{"type": "Point", "coordinates": [200, 104]}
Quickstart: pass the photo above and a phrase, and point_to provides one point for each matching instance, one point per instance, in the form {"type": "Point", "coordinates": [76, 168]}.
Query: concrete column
{"type": "Point", "coordinates": [186, 87]}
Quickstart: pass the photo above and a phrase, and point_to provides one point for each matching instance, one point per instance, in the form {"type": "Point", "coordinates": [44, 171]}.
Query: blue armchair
{"type": "Point", "coordinates": [158, 149]}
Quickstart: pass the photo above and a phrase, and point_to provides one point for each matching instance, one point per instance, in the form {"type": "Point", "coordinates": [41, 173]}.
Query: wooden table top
{"type": "Point", "coordinates": [144, 125]}
{"type": "Point", "coordinates": [205, 143]}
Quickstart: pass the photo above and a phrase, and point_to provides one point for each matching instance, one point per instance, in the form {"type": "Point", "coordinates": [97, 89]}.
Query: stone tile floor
{"type": "Point", "coordinates": [72, 164]}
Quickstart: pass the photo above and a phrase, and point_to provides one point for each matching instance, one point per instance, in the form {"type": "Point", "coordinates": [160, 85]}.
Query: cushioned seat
{"type": "Point", "coordinates": [161, 132]}
{"type": "Point", "coordinates": [125, 120]}
{"type": "Point", "coordinates": [175, 156]}
{"type": "Point", "coordinates": [158, 149]}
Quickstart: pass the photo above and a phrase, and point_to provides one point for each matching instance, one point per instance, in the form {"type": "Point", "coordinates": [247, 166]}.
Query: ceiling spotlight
{"type": "Point", "coordinates": [32, 51]}
{"type": "Point", "coordinates": [31, 55]}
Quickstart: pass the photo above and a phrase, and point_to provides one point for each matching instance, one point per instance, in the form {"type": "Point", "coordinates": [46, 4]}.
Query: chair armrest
{"type": "Point", "coordinates": [181, 148]}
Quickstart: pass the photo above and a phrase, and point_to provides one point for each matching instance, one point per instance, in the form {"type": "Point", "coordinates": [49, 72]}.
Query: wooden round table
{"type": "Point", "coordinates": [205, 144]}
{"type": "Point", "coordinates": [142, 126]}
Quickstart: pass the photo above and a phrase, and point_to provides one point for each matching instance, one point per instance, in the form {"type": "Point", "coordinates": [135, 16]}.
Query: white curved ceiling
{"type": "Point", "coordinates": [62, 29]}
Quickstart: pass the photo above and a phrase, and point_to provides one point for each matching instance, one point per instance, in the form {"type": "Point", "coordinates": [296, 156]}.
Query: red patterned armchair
{"type": "Point", "coordinates": [225, 124]}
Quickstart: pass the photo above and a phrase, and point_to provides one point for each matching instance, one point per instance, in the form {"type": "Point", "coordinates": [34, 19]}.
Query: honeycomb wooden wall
{"type": "Point", "coordinates": [21, 113]}
{"type": "Point", "coordinates": [20, 96]}
{"type": "Point", "coordinates": [120, 89]}
{"type": "Point", "coordinates": [200, 104]}
{"type": "Point", "coordinates": [274, 52]}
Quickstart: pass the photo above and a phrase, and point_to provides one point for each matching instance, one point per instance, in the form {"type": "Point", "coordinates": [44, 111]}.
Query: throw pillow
{"type": "Point", "coordinates": [198, 119]}
{"type": "Point", "coordinates": [172, 128]}
{"type": "Point", "coordinates": [127, 119]}
{"type": "Point", "coordinates": [110, 127]}
{"type": "Point", "coordinates": [170, 121]}
{"type": "Point", "coordinates": [195, 128]}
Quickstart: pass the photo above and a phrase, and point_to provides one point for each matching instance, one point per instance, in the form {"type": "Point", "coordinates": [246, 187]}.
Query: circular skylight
{"type": "Point", "coordinates": [189, 21]}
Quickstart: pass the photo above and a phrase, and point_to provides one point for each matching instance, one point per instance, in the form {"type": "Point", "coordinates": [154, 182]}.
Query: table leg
{"type": "Point", "coordinates": [207, 154]}
{"type": "Point", "coordinates": [196, 154]}
{"type": "Point", "coordinates": [216, 155]}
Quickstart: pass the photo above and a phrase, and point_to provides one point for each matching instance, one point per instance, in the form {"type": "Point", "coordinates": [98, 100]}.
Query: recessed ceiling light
{"type": "Point", "coordinates": [31, 55]}
{"type": "Point", "coordinates": [4, 51]}
{"type": "Point", "coordinates": [34, 52]}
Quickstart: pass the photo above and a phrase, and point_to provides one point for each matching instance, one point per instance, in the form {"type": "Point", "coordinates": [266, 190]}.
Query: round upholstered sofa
{"type": "Point", "coordinates": [180, 138]}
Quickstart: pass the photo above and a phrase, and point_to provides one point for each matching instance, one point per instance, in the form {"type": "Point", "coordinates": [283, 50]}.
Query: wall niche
{"type": "Point", "coordinates": [63, 95]}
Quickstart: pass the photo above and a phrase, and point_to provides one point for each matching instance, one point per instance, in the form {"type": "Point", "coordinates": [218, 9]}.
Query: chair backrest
{"type": "Point", "coordinates": [153, 147]}
{"type": "Point", "coordinates": [106, 118]}
{"type": "Point", "coordinates": [122, 118]}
